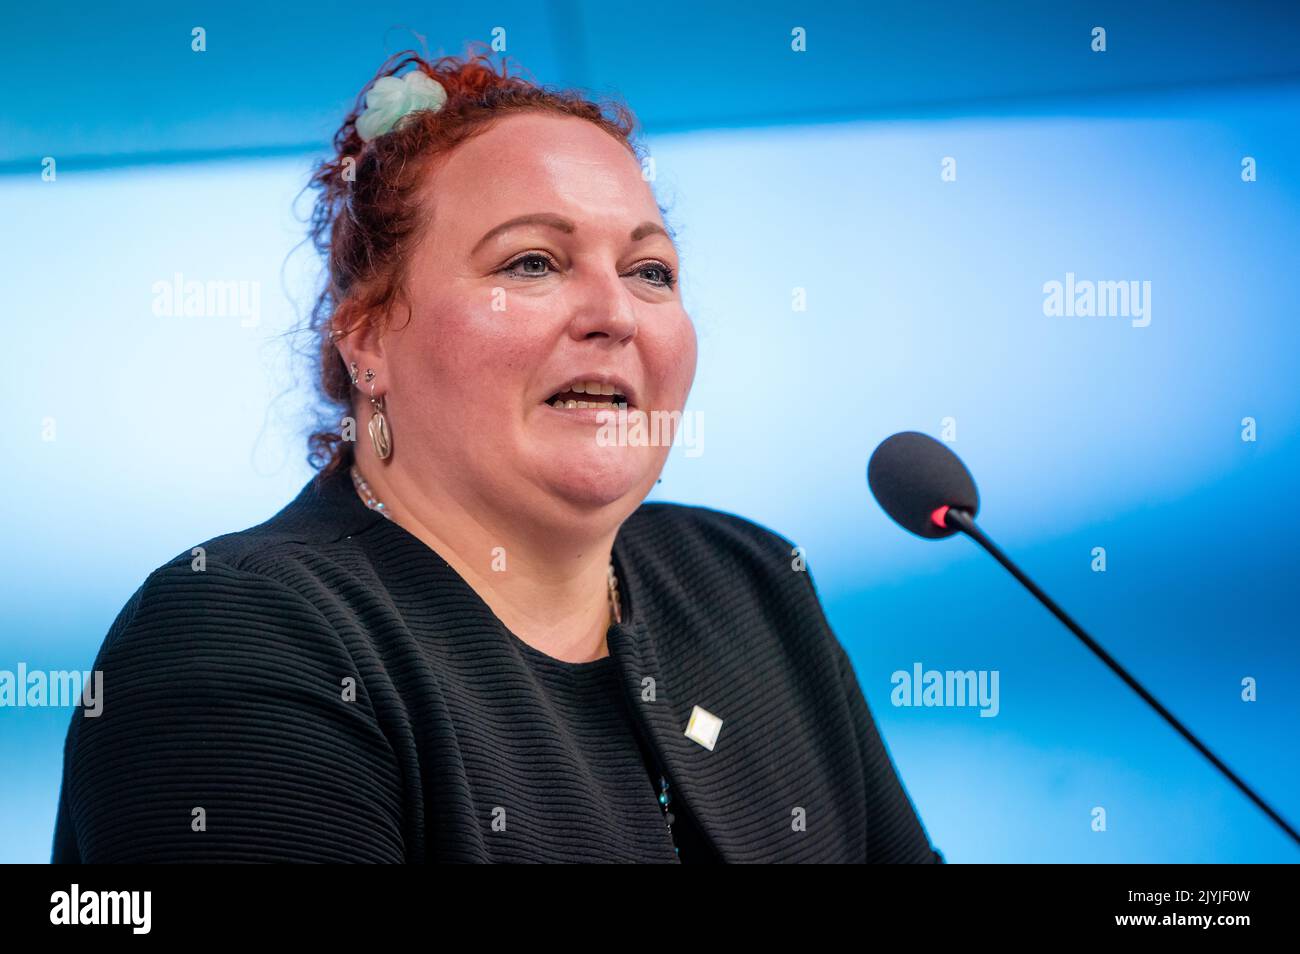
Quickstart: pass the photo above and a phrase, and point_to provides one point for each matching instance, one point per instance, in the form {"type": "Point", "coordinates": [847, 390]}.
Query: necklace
{"type": "Point", "coordinates": [615, 610]}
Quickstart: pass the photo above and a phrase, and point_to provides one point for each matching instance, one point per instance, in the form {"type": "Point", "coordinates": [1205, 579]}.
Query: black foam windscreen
{"type": "Point", "coordinates": [912, 475]}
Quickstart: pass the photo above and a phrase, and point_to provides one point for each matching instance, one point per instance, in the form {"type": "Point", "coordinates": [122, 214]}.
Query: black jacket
{"type": "Point", "coordinates": [228, 733]}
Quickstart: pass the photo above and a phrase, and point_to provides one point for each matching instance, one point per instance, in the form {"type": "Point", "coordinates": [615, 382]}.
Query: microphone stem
{"type": "Point", "coordinates": [963, 521]}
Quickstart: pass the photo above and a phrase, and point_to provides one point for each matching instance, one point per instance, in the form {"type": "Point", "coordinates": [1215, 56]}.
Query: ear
{"type": "Point", "coordinates": [363, 346]}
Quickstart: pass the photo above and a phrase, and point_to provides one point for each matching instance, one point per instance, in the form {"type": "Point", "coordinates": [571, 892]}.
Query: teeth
{"type": "Point", "coordinates": [579, 405]}
{"type": "Point", "coordinates": [595, 389]}
{"type": "Point", "coordinates": [591, 387]}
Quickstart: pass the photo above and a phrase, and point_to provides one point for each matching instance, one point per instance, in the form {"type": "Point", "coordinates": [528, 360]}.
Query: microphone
{"type": "Point", "coordinates": [927, 490]}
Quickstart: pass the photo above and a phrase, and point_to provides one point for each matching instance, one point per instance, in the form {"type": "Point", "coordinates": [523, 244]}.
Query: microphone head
{"type": "Point", "coordinates": [912, 475]}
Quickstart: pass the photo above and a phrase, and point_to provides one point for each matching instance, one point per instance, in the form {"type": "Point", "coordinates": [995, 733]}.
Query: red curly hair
{"type": "Point", "coordinates": [364, 213]}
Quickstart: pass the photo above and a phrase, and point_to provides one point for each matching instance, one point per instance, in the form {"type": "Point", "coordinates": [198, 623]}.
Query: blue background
{"type": "Point", "coordinates": [820, 171]}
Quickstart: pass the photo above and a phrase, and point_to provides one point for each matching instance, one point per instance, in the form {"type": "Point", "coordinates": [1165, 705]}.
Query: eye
{"type": "Point", "coordinates": [656, 273]}
{"type": "Point", "coordinates": [530, 261]}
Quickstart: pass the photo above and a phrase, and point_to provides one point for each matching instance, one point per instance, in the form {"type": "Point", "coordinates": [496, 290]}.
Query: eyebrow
{"type": "Point", "coordinates": [560, 224]}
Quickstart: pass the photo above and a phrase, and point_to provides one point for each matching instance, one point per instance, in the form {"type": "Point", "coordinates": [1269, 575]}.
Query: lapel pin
{"type": "Point", "coordinates": [703, 728]}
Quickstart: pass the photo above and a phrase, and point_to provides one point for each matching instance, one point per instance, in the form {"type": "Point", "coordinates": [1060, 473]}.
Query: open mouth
{"type": "Point", "coordinates": [588, 394]}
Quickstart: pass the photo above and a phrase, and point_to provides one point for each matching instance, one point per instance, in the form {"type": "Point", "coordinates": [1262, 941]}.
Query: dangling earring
{"type": "Point", "coordinates": [380, 437]}
{"type": "Point", "coordinates": [352, 370]}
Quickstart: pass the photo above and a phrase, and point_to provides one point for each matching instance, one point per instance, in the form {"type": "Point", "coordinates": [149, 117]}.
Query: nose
{"type": "Point", "coordinates": [604, 309]}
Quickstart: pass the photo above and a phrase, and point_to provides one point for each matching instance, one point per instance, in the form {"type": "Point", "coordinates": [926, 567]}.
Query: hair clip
{"type": "Point", "coordinates": [391, 99]}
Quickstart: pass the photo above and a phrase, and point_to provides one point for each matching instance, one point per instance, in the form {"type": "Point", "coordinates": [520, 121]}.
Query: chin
{"type": "Point", "coordinates": [595, 480]}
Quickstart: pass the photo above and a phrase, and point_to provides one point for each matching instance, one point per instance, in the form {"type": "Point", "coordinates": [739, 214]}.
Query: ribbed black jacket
{"type": "Point", "coordinates": [227, 732]}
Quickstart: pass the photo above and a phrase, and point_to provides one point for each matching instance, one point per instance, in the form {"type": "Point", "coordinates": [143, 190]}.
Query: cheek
{"type": "Point", "coordinates": [463, 350]}
{"type": "Point", "coordinates": [674, 358]}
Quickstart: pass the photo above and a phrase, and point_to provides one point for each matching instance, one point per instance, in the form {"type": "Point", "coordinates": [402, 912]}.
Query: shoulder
{"type": "Point", "coordinates": [257, 592]}
{"type": "Point", "coordinates": [211, 647]}
{"type": "Point", "coordinates": [285, 563]}
{"type": "Point", "coordinates": [225, 682]}
{"type": "Point", "coordinates": [732, 577]}
{"type": "Point", "coordinates": [199, 619]}
{"type": "Point", "coordinates": [300, 527]}
{"type": "Point", "coordinates": [707, 534]}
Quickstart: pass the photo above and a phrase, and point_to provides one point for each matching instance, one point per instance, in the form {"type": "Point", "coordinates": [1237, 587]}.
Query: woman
{"type": "Point", "coordinates": [468, 638]}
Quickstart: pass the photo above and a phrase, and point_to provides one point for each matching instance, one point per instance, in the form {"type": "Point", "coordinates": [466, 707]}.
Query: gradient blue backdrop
{"type": "Point", "coordinates": [924, 303]}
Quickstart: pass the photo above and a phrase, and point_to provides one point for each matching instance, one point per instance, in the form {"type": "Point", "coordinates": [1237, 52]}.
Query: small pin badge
{"type": "Point", "coordinates": [703, 728]}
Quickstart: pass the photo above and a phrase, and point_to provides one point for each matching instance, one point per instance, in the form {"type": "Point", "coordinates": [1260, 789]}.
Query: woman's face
{"type": "Point", "coordinates": [506, 315]}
